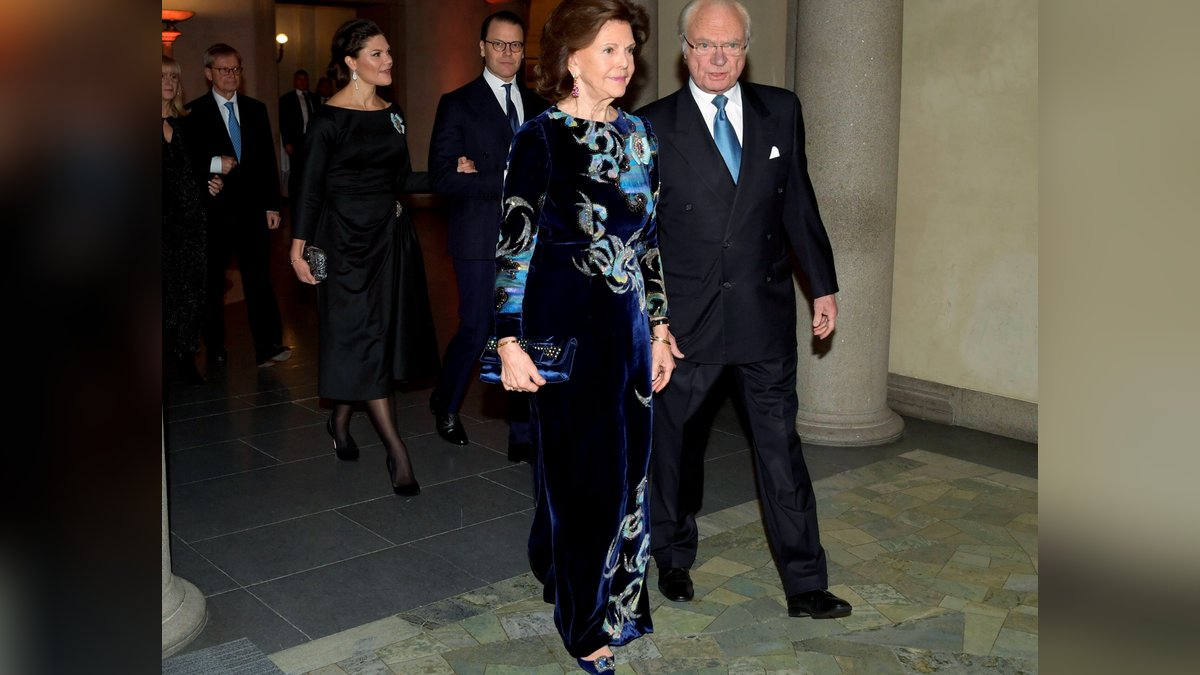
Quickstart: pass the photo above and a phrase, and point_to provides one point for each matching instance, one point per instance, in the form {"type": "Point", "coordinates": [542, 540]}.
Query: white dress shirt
{"type": "Point", "coordinates": [214, 166]}
{"type": "Point", "coordinates": [302, 99]}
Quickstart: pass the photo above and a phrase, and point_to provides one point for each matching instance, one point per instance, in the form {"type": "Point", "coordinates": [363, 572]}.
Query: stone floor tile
{"type": "Point", "coordinates": [417, 646]}
{"type": "Point", "coordinates": [900, 613]}
{"type": "Point", "coordinates": [454, 636]}
{"type": "Point", "coordinates": [679, 646]}
{"type": "Point", "coordinates": [1021, 582]}
{"type": "Point", "coordinates": [970, 559]}
{"type": "Point", "coordinates": [527, 624]}
{"type": "Point", "coordinates": [485, 628]}
{"type": "Point", "coordinates": [967, 591]}
{"type": "Point", "coordinates": [356, 641]}
{"type": "Point", "coordinates": [926, 661]}
{"type": "Point", "coordinates": [749, 587]}
{"type": "Point", "coordinates": [672, 621]}
{"type": "Point", "coordinates": [430, 665]}
{"type": "Point", "coordinates": [1022, 621]}
{"type": "Point", "coordinates": [851, 536]}
{"type": "Point", "coordinates": [838, 555]}
{"type": "Point", "coordinates": [731, 618]}
{"type": "Point", "coordinates": [365, 664]}
{"type": "Point", "coordinates": [980, 633]}
{"type": "Point", "coordinates": [984, 609]}
{"type": "Point", "coordinates": [818, 664]}
{"type": "Point", "coordinates": [1016, 643]}
{"type": "Point", "coordinates": [642, 649]}
{"type": "Point", "coordinates": [724, 567]}
{"type": "Point", "coordinates": [864, 617]}
{"type": "Point", "coordinates": [930, 491]}
{"type": "Point", "coordinates": [876, 594]}
{"type": "Point", "coordinates": [722, 596]}
{"type": "Point", "coordinates": [331, 669]}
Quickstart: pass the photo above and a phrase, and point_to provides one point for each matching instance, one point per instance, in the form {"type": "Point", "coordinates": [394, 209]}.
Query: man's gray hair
{"type": "Point", "coordinates": [685, 18]}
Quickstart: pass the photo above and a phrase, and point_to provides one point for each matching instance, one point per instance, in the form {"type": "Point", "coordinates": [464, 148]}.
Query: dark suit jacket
{"type": "Point", "coordinates": [724, 254]}
{"type": "Point", "coordinates": [469, 122]}
{"type": "Point", "coordinates": [291, 120]}
{"type": "Point", "coordinates": [252, 188]}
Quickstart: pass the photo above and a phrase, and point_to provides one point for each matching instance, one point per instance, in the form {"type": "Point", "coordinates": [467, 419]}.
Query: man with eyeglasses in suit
{"type": "Point", "coordinates": [468, 151]}
{"type": "Point", "coordinates": [230, 133]}
{"type": "Point", "coordinates": [735, 195]}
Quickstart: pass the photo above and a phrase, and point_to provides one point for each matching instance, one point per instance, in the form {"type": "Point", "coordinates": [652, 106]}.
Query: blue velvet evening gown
{"type": "Point", "coordinates": [578, 257]}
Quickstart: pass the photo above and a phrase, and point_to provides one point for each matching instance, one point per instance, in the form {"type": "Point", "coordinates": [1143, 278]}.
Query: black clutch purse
{"type": "Point", "coordinates": [318, 264]}
{"type": "Point", "coordinates": [552, 356]}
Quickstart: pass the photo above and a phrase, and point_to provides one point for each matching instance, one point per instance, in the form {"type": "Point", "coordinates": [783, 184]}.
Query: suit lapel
{"type": "Point", "coordinates": [757, 126]}
{"type": "Point", "coordinates": [695, 143]}
{"type": "Point", "coordinates": [217, 126]}
{"type": "Point", "coordinates": [491, 113]}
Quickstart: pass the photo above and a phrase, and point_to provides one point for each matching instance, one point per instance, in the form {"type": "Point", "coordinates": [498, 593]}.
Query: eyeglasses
{"type": "Point", "coordinates": [705, 48]}
{"type": "Point", "coordinates": [236, 70]}
{"type": "Point", "coordinates": [499, 46]}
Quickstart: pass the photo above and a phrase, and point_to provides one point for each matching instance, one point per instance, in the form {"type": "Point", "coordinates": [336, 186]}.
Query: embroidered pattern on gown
{"type": "Point", "coordinates": [578, 257]}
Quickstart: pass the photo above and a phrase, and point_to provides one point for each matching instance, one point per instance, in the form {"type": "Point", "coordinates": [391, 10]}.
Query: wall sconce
{"type": "Point", "coordinates": [282, 39]}
{"type": "Point", "coordinates": [170, 17]}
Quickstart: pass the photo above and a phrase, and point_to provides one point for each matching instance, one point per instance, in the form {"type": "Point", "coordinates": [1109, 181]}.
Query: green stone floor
{"type": "Point", "coordinates": [938, 556]}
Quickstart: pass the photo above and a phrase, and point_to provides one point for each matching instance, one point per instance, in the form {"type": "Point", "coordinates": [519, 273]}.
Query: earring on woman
{"type": "Point", "coordinates": [574, 85]}
{"type": "Point", "coordinates": [354, 78]}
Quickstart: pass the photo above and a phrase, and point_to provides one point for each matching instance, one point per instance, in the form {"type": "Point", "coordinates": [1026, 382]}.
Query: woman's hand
{"type": "Point", "coordinates": [517, 372]}
{"type": "Point", "coordinates": [299, 264]}
{"type": "Point", "coordinates": [214, 185]}
{"type": "Point", "coordinates": [663, 353]}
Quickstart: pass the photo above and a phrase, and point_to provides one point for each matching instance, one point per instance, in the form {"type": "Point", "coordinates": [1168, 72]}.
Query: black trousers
{"type": "Point", "coordinates": [767, 392]}
{"type": "Point", "coordinates": [476, 314]}
{"type": "Point", "coordinates": [246, 236]}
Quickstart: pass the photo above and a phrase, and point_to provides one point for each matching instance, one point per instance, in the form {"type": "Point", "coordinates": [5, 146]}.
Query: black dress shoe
{"type": "Point", "coordinates": [676, 584]}
{"type": "Point", "coordinates": [348, 453]}
{"type": "Point", "coordinates": [408, 489]}
{"type": "Point", "coordinates": [450, 428]}
{"type": "Point", "coordinates": [819, 604]}
{"type": "Point", "coordinates": [520, 452]}
{"type": "Point", "coordinates": [273, 355]}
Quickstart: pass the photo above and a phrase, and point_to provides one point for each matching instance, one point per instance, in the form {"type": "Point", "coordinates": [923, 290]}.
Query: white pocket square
{"type": "Point", "coordinates": [774, 152]}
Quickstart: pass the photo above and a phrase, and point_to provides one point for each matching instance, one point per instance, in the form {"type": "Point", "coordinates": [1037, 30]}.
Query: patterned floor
{"type": "Point", "coordinates": [938, 556]}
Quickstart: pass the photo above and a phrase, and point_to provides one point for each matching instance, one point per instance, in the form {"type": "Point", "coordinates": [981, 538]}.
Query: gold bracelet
{"type": "Point", "coordinates": [665, 341]}
{"type": "Point", "coordinates": [505, 341]}
{"type": "Point", "coordinates": [293, 261]}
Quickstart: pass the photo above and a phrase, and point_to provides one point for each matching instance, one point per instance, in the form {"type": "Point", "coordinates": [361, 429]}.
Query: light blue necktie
{"type": "Point", "coordinates": [726, 138]}
{"type": "Point", "coordinates": [235, 131]}
{"type": "Point", "coordinates": [513, 120]}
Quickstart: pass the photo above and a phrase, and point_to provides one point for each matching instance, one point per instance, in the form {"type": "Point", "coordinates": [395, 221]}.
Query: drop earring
{"type": "Point", "coordinates": [354, 78]}
{"type": "Point", "coordinates": [574, 85]}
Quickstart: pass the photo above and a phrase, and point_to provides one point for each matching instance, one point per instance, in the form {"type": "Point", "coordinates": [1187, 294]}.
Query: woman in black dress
{"type": "Point", "coordinates": [374, 320]}
{"type": "Point", "coordinates": [182, 233]}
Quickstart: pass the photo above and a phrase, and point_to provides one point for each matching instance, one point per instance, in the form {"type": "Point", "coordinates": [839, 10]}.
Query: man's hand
{"type": "Point", "coordinates": [465, 165]}
{"type": "Point", "coordinates": [824, 316]}
{"type": "Point", "coordinates": [227, 164]}
{"type": "Point", "coordinates": [272, 220]}
{"type": "Point", "coordinates": [288, 148]}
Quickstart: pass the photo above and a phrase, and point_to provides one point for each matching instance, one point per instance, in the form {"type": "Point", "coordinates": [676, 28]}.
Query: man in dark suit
{"type": "Point", "coordinates": [468, 151]}
{"type": "Point", "coordinates": [230, 133]}
{"type": "Point", "coordinates": [295, 109]}
{"type": "Point", "coordinates": [734, 185]}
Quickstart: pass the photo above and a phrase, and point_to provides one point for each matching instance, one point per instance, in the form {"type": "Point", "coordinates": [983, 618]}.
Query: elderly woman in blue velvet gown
{"type": "Point", "coordinates": [578, 258]}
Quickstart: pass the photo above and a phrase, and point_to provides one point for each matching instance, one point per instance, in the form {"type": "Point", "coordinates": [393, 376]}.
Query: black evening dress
{"type": "Point", "coordinates": [578, 257]}
{"type": "Point", "coordinates": [182, 247]}
{"type": "Point", "coordinates": [374, 320]}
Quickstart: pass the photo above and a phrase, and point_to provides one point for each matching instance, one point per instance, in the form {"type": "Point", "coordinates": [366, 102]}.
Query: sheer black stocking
{"type": "Point", "coordinates": [380, 412]}
{"type": "Point", "coordinates": [341, 425]}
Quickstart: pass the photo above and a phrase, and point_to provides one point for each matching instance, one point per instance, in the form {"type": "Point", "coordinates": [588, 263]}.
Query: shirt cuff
{"type": "Point", "coordinates": [215, 165]}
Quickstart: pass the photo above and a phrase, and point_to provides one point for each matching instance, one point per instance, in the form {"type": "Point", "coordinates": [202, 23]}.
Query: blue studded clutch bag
{"type": "Point", "coordinates": [552, 356]}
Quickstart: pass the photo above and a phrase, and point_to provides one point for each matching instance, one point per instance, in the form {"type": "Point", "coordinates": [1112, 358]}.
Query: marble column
{"type": "Point", "coordinates": [184, 611]}
{"type": "Point", "coordinates": [847, 75]}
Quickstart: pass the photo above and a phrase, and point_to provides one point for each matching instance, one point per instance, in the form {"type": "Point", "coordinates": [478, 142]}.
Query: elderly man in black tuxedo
{"type": "Point", "coordinates": [468, 151]}
{"type": "Point", "coordinates": [735, 194]}
{"type": "Point", "coordinates": [295, 110]}
{"type": "Point", "coordinates": [230, 133]}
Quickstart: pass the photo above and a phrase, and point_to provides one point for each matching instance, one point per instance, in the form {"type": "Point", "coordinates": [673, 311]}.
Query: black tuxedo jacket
{"type": "Point", "coordinates": [470, 123]}
{"type": "Point", "coordinates": [724, 245]}
{"type": "Point", "coordinates": [252, 188]}
{"type": "Point", "coordinates": [291, 119]}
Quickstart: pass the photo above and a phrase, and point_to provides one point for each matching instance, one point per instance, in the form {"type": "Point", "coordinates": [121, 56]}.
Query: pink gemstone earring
{"type": "Point", "coordinates": [574, 85]}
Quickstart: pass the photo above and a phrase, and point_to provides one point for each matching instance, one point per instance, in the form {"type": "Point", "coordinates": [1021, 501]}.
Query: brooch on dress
{"type": "Point", "coordinates": [398, 122]}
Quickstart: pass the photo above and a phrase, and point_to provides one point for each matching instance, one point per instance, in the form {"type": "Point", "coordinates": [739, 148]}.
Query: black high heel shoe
{"type": "Point", "coordinates": [407, 490]}
{"type": "Point", "coordinates": [348, 453]}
